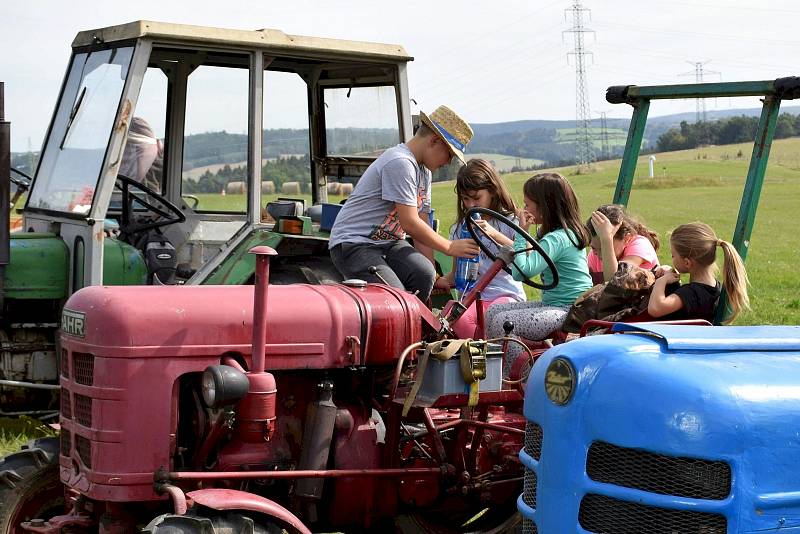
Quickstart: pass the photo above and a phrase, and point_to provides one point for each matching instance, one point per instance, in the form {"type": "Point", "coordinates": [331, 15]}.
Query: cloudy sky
{"type": "Point", "coordinates": [490, 61]}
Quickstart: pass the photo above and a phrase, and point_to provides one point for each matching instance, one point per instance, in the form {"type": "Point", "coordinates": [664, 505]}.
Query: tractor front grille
{"type": "Point", "coordinates": [606, 515]}
{"type": "Point", "coordinates": [657, 473]}
{"type": "Point", "coordinates": [533, 440]}
{"type": "Point", "coordinates": [66, 442]}
{"type": "Point", "coordinates": [66, 407]}
{"type": "Point", "coordinates": [529, 488]}
{"type": "Point", "coordinates": [533, 447]}
{"type": "Point", "coordinates": [83, 368]}
{"type": "Point", "coordinates": [84, 448]}
{"type": "Point", "coordinates": [64, 363]}
{"type": "Point", "coordinates": [83, 410]}
{"type": "Point", "coordinates": [529, 527]}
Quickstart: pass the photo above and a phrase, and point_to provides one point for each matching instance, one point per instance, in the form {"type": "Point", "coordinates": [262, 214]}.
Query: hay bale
{"type": "Point", "coordinates": [290, 188]}
{"type": "Point", "coordinates": [346, 190]}
{"type": "Point", "coordinates": [235, 188]}
{"type": "Point", "coordinates": [334, 188]}
{"type": "Point", "coordinates": [267, 187]}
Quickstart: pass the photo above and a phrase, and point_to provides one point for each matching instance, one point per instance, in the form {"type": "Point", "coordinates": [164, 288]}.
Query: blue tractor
{"type": "Point", "coordinates": [658, 428]}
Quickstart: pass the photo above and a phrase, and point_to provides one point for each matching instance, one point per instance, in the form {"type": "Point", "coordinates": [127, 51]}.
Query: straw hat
{"type": "Point", "coordinates": [451, 128]}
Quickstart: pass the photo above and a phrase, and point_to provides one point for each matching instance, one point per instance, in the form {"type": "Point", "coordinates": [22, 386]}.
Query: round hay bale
{"type": "Point", "coordinates": [267, 187]}
{"type": "Point", "coordinates": [346, 190]}
{"type": "Point", "coordinates": [334, 188]}
{"type": "Point", "coordinates": [290, 188]}
{"type": "Point", "coordinates": [235, 188]}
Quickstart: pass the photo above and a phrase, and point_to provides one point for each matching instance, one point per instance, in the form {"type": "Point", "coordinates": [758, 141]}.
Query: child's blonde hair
{"type": "Point", "coordinates": [698, 242]}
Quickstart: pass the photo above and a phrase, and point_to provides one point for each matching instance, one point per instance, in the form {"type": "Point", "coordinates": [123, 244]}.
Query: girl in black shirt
{"type": "Point", "coordinates": [694, 251]}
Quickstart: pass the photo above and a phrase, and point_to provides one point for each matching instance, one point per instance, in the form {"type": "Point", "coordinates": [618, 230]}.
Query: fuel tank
{"type": "Point", "coordinates": [308, 326]}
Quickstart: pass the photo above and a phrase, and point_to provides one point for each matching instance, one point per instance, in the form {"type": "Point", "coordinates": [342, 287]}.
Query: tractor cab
{"type": "Point", "coordinates": [175, 149]}
{"type": "Point", "coordinates": [171, 141]}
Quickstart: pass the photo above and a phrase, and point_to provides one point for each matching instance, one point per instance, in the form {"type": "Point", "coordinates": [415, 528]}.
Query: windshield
{"type": "Point", "coordinates": [72, 159]}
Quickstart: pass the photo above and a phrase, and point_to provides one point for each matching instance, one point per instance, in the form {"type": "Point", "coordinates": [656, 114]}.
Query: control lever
{"type": "Point", "coordinates": [374, 271]}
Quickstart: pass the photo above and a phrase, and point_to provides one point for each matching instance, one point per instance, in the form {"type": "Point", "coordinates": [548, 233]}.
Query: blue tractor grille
{"type": "Point", "coordinates": [656, 473]}
{"type": "Point", "coordinates": [533, 440]}
{"type": "Point", "coordinates": [533, 447]}
{"type": "Point", "coordinates": [602, 515]}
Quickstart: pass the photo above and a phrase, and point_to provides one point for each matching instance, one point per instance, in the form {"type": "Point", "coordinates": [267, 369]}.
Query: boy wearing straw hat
{"type": "Point", "coordinates": [392, 199]}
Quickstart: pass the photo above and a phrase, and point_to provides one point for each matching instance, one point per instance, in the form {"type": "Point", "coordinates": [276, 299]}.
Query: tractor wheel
{"type": "Point", "coordinates": [30, 487]}
{"type": "Point", "coordinates": [207, 521]}
{"type": "Point", "coordinates": [492, 521]}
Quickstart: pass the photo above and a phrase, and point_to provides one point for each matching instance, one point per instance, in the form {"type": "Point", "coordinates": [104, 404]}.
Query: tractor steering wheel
{"type": "Point", "coordinates": [169, 212]}
{"type": "Point", "coordinates": [535, 247]}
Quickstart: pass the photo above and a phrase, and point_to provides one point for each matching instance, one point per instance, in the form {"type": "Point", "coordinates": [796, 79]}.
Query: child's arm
{"type": "Point", "coordinates": [533, 263]}
{"type": "Point", "coordinates": [660, 303]}
{"type": "Point", "coordinates": [424, 234]}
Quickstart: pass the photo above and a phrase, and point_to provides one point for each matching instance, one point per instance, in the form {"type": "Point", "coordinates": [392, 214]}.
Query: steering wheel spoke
{"type": "Point", "coordinates": [534, 245]}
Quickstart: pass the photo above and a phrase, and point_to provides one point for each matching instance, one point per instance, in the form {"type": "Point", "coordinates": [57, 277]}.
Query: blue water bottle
{"type": "Point", "coordinates": [466, 268]}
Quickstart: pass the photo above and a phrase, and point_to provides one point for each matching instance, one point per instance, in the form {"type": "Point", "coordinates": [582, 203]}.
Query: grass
{"type": "Point", "coordinates": [16, 432]}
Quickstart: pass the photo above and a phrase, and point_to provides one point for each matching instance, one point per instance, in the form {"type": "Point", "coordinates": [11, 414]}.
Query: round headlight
{"type": "Point", "coordinates": [223, 385]}
{"type": "Point", "coordinates": [209, 388]}
{"type": "Point", "coordinates": [559, 381]}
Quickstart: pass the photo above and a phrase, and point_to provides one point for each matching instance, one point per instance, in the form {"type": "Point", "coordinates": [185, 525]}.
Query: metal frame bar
{"type": "Point", "coordinates": [773, 92]}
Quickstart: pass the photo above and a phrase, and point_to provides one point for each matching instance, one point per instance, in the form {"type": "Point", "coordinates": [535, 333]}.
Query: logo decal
{"type": "Point", "coordinates": [559, 381]}
{"type": "Point", "coordinates": [73, 323]}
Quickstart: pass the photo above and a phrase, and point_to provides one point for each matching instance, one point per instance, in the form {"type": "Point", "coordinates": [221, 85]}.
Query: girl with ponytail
{"type": "Point", "coordinates": [694, 251]}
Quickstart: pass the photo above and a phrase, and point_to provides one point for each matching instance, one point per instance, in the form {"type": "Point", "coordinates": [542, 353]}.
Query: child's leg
{"type": "Point", "coordinates": [532, 320]}
{"type": "Point", "coordinates": [414, 270]}
{"type": "Point", "coordinates": [354, 260]}
{"type": "Point", "coordinates": [467, 324]}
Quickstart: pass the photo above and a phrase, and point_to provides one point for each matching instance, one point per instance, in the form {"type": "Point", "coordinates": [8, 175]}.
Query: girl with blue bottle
{"type": "Point", "coordinates": [479, 185]}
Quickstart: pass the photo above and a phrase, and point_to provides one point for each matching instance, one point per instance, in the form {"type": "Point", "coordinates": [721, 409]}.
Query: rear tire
{"type": "Point", "coordinates": [206, 521]}
{"type": "Point", "coordinates": [30, 487]}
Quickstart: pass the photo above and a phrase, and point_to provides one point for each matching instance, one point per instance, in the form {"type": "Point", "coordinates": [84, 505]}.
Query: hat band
{"type": "Point", "coordinates": [450, 139]}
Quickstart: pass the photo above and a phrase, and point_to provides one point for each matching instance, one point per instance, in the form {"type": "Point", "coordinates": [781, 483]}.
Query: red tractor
{"type": "Point", "coordinates": [210, 409]}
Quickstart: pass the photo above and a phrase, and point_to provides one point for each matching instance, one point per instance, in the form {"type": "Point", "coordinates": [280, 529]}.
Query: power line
{"type": "Point", "coordinates": [585, 151]}
{"type": "Point", "coordinates": [698, 73]}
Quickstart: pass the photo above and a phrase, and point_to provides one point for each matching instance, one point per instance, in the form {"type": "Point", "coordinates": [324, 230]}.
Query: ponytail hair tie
{"type": "Point", "coordinates": [719, 242]}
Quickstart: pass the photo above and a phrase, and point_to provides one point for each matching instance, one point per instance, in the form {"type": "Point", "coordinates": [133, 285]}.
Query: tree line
{"type": "Point", "coordinates": [728, 131]}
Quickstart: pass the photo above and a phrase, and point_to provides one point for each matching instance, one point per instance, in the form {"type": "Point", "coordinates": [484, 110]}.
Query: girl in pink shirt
{"type": "Point", "coordinates": [616, 237]}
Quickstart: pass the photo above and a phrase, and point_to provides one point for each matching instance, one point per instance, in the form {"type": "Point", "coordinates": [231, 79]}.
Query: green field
{"type": "Point", "coordinates": [504, 163]}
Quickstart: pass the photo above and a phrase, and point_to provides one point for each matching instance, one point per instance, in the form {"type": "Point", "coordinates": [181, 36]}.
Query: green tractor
{"type": "Point", "coordinates": [132, 189]}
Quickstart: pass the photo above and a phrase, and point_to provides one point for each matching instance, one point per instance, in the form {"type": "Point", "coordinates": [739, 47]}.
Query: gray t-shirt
{"type": "Point", "coordinates": [369, 215]}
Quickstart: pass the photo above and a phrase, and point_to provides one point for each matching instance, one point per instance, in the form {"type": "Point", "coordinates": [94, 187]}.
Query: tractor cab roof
{"type": "Point", "coordinates": [266, 38]}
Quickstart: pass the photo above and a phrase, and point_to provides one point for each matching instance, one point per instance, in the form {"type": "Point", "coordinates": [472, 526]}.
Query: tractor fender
{"type": "Point", "coordinates": [226, 499]}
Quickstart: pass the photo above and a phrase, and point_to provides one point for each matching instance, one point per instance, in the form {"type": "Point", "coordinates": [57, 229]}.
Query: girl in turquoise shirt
{"type": "Point", "coordinates": [551, 204]}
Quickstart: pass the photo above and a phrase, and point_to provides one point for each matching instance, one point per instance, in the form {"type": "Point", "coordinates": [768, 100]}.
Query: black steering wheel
{"type": "Point", "coordinates": [474, 229]}
{"type": "Point", "coordinates": [169, 212]}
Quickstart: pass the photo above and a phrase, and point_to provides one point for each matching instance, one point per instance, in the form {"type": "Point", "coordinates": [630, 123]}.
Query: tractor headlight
{"type": "Point", "coordinates": [559, 381]}
{"type": "Point", "coordinates": [223, 385]}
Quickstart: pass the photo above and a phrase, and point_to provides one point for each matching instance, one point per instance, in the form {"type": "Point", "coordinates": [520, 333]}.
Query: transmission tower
{"type": "Point", "coordinates": [604, 135]}
{"type": "Point", "coordinates": [583, 141]}
{"type": "Point", "coordinates": [698, 74]}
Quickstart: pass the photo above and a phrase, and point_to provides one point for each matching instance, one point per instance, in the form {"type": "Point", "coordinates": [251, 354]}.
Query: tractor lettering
{"type": "Point", "coordinates": [73, 323]}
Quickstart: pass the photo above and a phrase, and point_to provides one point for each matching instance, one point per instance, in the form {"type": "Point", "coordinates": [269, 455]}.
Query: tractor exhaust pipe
{"type": "Point", "coordinates": [256, 413]}
{"type": "Point", "coordinates": [5, 186]}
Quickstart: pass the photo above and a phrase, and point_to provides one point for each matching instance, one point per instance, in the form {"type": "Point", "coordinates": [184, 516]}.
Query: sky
{"type": "Point", "coordinates": [490, 61]}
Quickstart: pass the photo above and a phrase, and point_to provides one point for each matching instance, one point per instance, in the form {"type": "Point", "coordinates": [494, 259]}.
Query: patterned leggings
{"type": "Point", "coordinates": [532, 320]}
